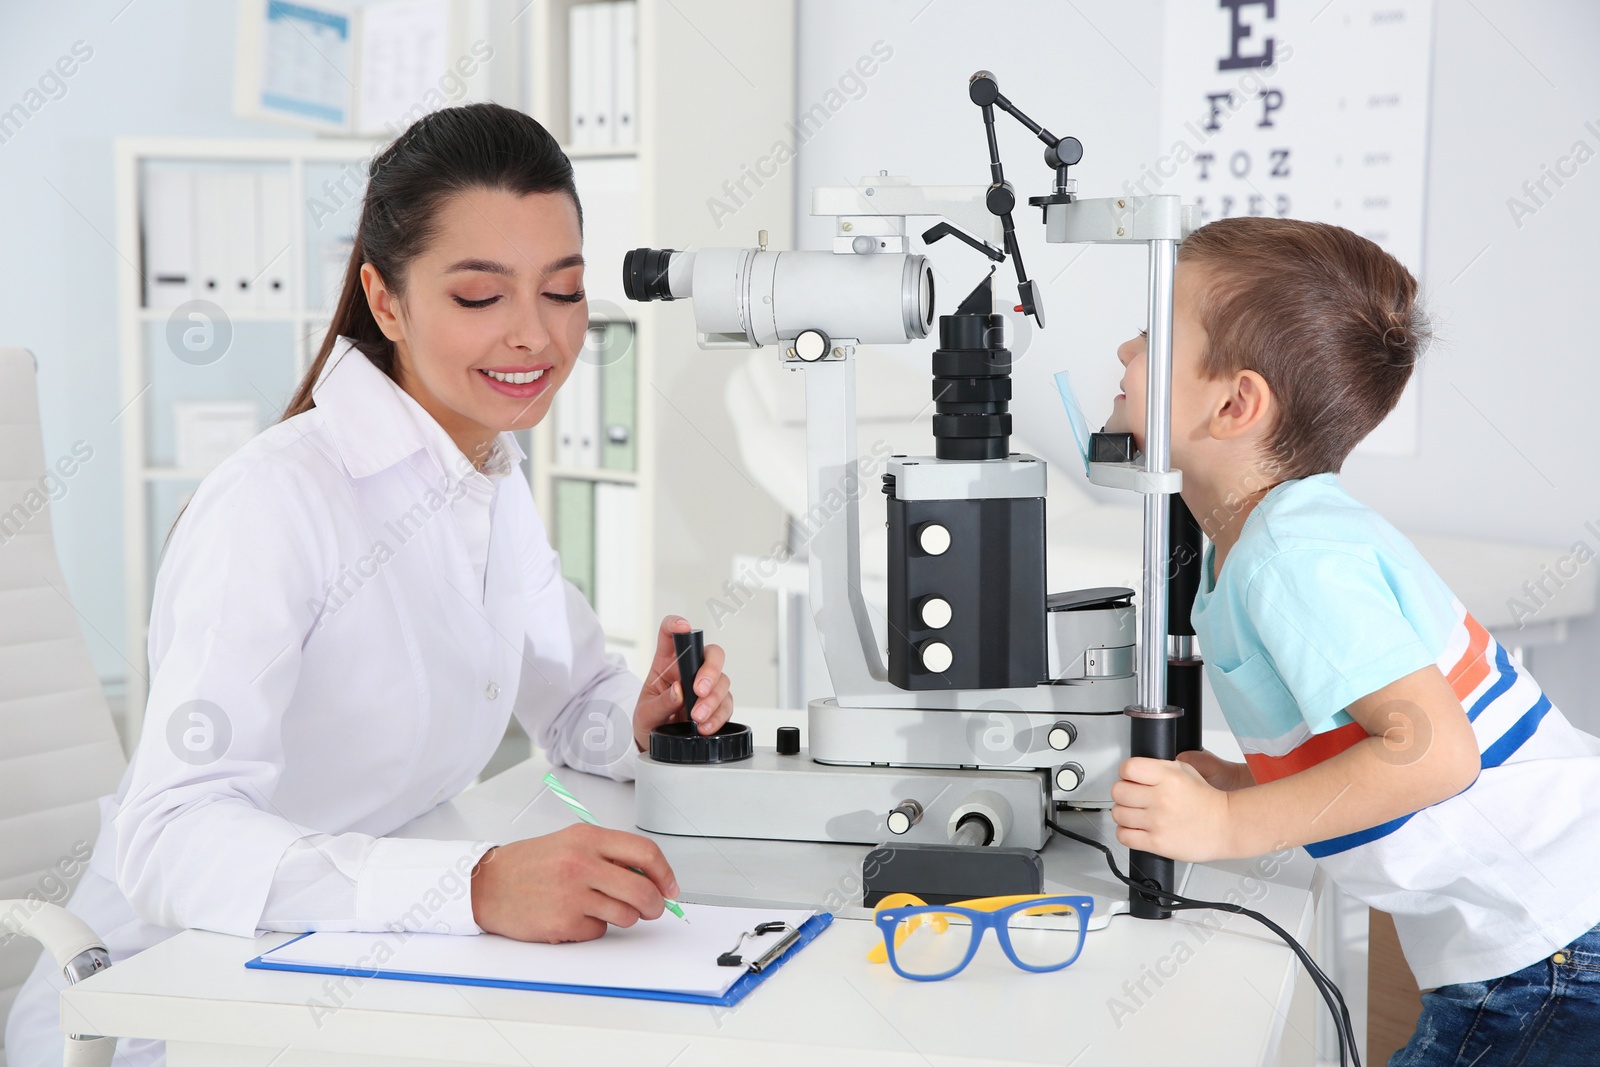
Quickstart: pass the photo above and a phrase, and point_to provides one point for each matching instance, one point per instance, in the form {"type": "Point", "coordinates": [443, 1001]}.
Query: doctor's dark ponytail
{"type": "Point", "coordinates": [477, 146]}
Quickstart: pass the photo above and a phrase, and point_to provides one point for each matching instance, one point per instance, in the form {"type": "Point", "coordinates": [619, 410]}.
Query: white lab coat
{"type": "Point", "coordinates": [344, 621]}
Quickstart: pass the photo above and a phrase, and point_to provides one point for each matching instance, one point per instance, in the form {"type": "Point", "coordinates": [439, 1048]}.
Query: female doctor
{"type": "Point", "coordinates": [354, 604]}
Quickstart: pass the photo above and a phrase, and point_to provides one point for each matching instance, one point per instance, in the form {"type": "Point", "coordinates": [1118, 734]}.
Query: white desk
{"type": "Point", "coordinates": [1218, 989]}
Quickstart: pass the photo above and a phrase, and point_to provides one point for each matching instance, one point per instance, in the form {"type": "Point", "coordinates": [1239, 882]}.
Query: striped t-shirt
{"type": "Point", "coordinates": [1322, 602]}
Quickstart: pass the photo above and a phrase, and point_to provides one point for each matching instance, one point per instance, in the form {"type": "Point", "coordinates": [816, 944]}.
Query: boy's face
{"type": "Point", "coordinates": [1191, 392]}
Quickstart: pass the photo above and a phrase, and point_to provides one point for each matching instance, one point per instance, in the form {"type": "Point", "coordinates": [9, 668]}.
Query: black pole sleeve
{"type": "Point", "coordinates": [1184, 570]}
{"type": "Point", "coordinates": [1183, 690]}
{"type": "Point", "coordinates": [1157, 739]}
{"type": "Point", "coordinates": [1183, 566]}
{"type": "Point", "coordinates": [1165, 738]}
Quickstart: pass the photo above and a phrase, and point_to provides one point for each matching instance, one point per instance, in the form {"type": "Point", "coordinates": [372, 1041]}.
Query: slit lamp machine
{"type": "Point", "coordinates": [998, 701]}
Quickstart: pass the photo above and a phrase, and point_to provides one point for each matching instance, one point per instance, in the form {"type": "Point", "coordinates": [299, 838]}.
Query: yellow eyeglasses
{"type": "Point", "coordinates": [927, 942]}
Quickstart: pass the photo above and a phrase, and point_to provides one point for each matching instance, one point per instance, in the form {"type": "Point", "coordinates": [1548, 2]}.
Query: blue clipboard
{"type": "Point", "coordinates": [736, 992]}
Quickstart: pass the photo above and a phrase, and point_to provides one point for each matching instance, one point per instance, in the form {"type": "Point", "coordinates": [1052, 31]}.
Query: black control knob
{"type": "Point", "coordinates": [788, 740]}
{"type": "Point", "coordinates": [691, 650]}
{"type": "Point", "coordinates": [682, 742]}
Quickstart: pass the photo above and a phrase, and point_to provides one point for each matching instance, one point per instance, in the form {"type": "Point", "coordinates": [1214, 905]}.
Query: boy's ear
{"type": "Point", "coordinates": [1247, 407]}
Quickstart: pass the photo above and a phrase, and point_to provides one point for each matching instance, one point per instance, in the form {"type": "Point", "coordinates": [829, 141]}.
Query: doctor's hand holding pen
{"type": "Point", "coordinates": [567, 886]}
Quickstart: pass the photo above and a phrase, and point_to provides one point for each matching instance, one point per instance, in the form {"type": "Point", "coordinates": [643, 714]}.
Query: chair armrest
{"type": "Point", "coordinates": [77, 950]}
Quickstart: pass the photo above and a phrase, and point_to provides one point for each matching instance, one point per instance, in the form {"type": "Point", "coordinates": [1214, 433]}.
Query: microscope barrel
{"type": "Point", "coordinates": [873, 299]}
{"type": "Point", "coordinates": [751, 297]}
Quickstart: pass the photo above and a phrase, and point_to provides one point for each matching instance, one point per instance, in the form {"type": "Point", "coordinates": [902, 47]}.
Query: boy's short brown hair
{"type": "Point", "coordinates": [1329, 319]}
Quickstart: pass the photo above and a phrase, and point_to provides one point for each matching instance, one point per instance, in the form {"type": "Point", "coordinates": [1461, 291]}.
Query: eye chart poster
{"type": "Point", "coordinates": [1307, 109]}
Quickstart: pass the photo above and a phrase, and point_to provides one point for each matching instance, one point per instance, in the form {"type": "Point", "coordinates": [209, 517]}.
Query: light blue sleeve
{"type": "Point", "coordinates": [1333, 628]}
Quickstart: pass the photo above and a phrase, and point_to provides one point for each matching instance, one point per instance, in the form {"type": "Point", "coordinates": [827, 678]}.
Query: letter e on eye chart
{"type": "Point", "coordinates": [1307, 110]}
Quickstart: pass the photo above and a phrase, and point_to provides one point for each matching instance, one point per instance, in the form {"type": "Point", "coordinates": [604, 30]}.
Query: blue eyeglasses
{"type": "Point", "coordinates": [928, 942]}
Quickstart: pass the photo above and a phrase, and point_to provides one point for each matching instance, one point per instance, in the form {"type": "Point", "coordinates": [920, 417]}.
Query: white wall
{"type": "Point", "coordinates": [1506, 446]}
{"type": "Point", "coordinates": [158, 67]}
{"type": "Point", "coordinates": [1513, 86]}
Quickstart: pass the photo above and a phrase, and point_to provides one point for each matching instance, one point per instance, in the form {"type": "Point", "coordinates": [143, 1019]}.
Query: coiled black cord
{"type": "Point", "coordinates": [1172, 901]}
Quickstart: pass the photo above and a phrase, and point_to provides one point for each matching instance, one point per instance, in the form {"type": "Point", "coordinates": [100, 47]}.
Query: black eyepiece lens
{"type": "Point", "coordinates": [644, 274]}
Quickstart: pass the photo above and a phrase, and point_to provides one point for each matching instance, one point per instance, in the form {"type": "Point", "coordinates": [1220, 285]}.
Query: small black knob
{"type": "Point", "coordinates": [788, 740]}
{"type": "Point", "coordinates": [982, 88]}
{"type": "Point", "coordinates": [1000, 198]}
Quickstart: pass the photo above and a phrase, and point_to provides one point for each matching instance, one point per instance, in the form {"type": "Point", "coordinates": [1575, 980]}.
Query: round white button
{"type": "Point", "coordinates": [934, 539]}
{"type": "Point", "coordinates": [899, 822]}
{"type": "Point", "coordinates": [811, 345]}
{"type": "Point", "coordinates": [937, 657]}
{"type": "Point", "coordinates": [1061, 735]}
{"type": "Point", "coordinates": [936, 613]}
{"type": "Point", "coordinates": [1069, 777]}
{"type": "Point", "coordinates": [491, 691]}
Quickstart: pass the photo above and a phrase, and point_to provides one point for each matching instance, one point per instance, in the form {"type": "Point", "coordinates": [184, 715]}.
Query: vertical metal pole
{"type": "Point", "coordinates": [1157, 460]}
{"type": "Point", "coordinates": [1153, 725]}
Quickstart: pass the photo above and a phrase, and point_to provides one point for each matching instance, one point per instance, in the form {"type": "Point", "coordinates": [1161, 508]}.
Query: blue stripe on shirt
{"type": "Point", "coordinates": [1319, 849]}
{"type": "Point", "coordinates": [1508, 678]}
{"type": "Point", "coordinates": [1493, 756]}
{"type": "Point", "coordinates": [1520, 731]}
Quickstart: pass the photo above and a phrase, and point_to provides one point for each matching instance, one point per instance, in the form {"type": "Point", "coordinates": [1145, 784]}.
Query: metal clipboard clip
{"type": "Point", "coordinates": [731, 958]}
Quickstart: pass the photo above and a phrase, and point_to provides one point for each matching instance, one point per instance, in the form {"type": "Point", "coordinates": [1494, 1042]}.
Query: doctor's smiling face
{"type": "Point", "coordinates": [490, 315]}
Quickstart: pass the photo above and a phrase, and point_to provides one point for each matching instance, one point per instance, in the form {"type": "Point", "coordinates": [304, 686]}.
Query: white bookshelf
{"type": "Point", "coordinates": [682, 154]}
{"type": "Point", "coordinates": [269, 353]}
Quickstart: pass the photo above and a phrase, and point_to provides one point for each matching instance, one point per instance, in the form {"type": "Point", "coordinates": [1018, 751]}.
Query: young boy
{"type": "Point", "coordinates": [1384, 729]}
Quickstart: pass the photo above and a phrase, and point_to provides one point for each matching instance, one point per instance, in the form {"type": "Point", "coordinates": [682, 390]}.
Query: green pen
{"type": "Point", "coordinates": [583, 813]}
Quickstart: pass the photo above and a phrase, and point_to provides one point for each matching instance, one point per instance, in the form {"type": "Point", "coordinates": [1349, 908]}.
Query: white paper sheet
{"type": "Point", "coordinates": [665, 954]}
{"type": "Point", "coordinates": [404, 63]}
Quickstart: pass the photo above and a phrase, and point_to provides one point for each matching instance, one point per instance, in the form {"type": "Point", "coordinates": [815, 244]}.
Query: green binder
{"type": "Point", "coordinates": [619, 429]}
{"type": "Point", "coordinates": [574, 503]}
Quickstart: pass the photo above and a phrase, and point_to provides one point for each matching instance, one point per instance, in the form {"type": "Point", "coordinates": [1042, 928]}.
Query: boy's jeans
{"type": "Point", "coordinates": [1546, 1015]}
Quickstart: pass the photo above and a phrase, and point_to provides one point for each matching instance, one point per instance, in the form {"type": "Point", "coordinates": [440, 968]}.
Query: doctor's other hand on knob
{"type": "Point", "coordinates": [662, 699]}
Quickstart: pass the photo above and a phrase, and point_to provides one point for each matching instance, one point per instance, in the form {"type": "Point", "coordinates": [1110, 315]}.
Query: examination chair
{"type": "Point", "coordinates": [59, 751]}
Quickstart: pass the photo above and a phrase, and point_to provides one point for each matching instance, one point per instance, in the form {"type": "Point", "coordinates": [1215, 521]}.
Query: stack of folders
{"type": "Point", "coordinates": [217, 233]}
{"type": "Point", "coordinates": [597, 540]}
{"type": "Point", "coordinates": [602, 93]}
{"type": "Point", "coordinates": [595, 407]}
{"type": "Point", "coordinates": [595, 518]}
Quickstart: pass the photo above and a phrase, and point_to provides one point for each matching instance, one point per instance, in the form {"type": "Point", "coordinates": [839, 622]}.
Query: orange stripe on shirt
{"type": "Point", "coordinates": [1473, 666]}
{"type": "Point", "coordinates": [1308, 753]}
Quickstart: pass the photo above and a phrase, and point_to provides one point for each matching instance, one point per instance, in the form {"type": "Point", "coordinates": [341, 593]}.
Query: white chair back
{"type": "Point", "coordinates": [59, 751]}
